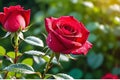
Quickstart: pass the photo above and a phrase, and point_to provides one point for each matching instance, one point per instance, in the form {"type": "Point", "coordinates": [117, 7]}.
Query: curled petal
{"type": "Point", "coordinates": [82, 50]}
{"type": "Point", "coordinates": [67, 42]}
{"type": "Point", "coordinates": [49, 23]}
{"type": "Point", "coordinates": [26, 15]}
{"type": "Point", "coordinates": [54, 43]}
{"type": "Point", "coordinates": [7, 10]}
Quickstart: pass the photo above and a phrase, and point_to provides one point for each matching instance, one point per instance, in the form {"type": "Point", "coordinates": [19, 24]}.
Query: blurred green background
{"type": "Point", "coordinates": [101, 17]}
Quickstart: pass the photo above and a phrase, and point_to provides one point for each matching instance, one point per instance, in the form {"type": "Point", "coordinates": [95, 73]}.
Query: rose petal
{"type": "Point", "coordinates": [7, 10]}
{"type": "Point", "coordinates": [48, 23]}
{"type": "Point", "coordinates": [82, 32]}
{"type": "Point", "coordinates": [26, 15]}
{"type": "Point", "coordinates": [69, 21]}
{"type": "Point", "coordinates": [68, 43]}
{"type": "Point", "coordinates": [52, 23]}
{"type": "Point", "coordinates": [85, 34]}
{"type": "Point", "coordinates": [1, 17]}
{"type": "Point", "coordinates": [82, 50]}
{"type": "Point", "coordinates": [17, 9]}
{"type": "Point", "coordinates": [70, 36]}
{"type": "Point", "coordinates": [10, 10]}
{"type": "Point", "coordinates": [54, 43]}
{"type": "Point", "coordinates": [18, 22]}
{"type": "Point", "coordinates": [50, 27]}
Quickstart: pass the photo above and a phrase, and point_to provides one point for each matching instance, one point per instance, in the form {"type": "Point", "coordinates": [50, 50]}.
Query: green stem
{"type": "Point", "coordinates": [5, 75]}
{"type": "Point", "coordinates": [16, 44]}
{"type": "Point", "coordinates": [16, 51]}
{"type": "Point", "coordinates": [39, 74]}
{"type": "Point", "coordinates": [16, 41]}
{"type": "Point", "coordinates": [47, 65]}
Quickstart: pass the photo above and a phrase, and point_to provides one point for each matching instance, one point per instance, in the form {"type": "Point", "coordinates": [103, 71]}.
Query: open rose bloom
{"type": "Point", "coordinates": [14, 18]}
{"type": "Point", "coordinates": [67, 35]}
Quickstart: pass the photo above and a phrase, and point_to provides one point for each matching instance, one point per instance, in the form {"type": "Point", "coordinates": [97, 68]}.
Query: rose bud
{"type": "Point", "coordinates": [14, 18]}
{"type": "Point", "coordinates": [67, 35]}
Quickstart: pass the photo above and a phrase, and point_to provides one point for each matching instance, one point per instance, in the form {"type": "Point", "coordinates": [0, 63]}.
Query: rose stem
{"type": "Point", "coordinates": [16, 41]}
{"type": "Point", "coordinates": [47, 65]}
{"type": "Point", "coordinates": [5, 75]}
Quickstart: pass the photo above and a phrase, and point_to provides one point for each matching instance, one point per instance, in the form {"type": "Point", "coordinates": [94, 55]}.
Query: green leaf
{"type": "Point", "coordinates": [34, 41]}
{"type": "Point", "coordinates": [20, 68]}
{"type": "Point", "coordinates": [34, 53]}
{"type": "Point", "coordinates": [95, 60]}
{"type": "Point", "coordinates": [6, 61]}
{"type": "Point", "coordinates": [2, 51]}
{"type": "Point", "coordinates": [28, 61]}
{"type": "Point", "coordinates": [18, 75]}
{"type": "Point", "coordinates": [57, 55]}
{"type": "Point", "coordinates": [54, 61]}
{"type": "Point", "coordinates": [55, 70]}
{"type": "Point", "coordinates": [21, 36]}
{"type": "Point", "coordinates": [12, 54]}
{"type": "Point", "coordinates": [12, 38]}
{"type": "Point", "coordinates": [64, 58]}
{"type": "Point", "coordinates": [10, 74]}
{"type": "Point", "coordinates": [47, 76]}
{"type": "Point", "coordinates": [39, 60]}
{"type": "Point", "coordinates": [70, 57]}
{"type": "Point", "coordinates": [46, 58]}
{"type": "Point", "coordinates": [62, 76]}
{"type": "Point", "coordinates": [1, 76]}
{"type": "Point", "coordinates": [27, 28]}
{"type": "Point", "coordinates": [7, 34]}
{"type": "Point", "coordinates": [39, 63]}
{"type": "Point", "coordinates": [76, 73]}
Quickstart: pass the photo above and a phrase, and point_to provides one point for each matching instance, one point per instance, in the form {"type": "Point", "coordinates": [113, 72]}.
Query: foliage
{"type": "Point", "coordinates": [101, 17]}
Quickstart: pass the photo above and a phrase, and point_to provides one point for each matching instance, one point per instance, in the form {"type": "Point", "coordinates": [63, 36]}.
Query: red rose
{"type": "Point", "coordinates": [110, 76]}
{"type": "Point", "coordinates": [67, 35]}
{"type": "Point", "coordinates": [14, 18]}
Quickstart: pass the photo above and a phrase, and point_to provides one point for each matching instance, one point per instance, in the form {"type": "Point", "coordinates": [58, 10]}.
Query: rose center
{"type": "Point", "coordinates": [68, 28]}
